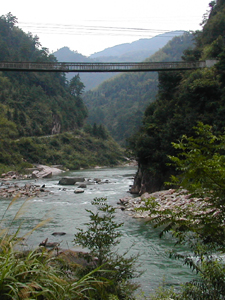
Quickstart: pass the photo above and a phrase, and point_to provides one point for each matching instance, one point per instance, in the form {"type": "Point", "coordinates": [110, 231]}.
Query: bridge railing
{"type": "Point", "coordinates": [102, 67]}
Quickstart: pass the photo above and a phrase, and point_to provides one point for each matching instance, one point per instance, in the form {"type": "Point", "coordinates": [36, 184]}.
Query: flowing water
{"type": "Point", "coordinates": [68, 212]}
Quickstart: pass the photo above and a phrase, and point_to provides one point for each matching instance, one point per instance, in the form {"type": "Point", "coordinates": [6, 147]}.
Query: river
{"type": "Point", "coordinates": [68, 212]}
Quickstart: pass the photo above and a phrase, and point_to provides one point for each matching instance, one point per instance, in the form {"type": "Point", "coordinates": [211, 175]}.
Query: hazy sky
{"type": "Point", "coordinates": [89, 26]}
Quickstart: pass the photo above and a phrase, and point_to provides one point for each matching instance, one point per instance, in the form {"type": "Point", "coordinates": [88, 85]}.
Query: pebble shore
{"type": "Point", "coordinates": [168, 200]}
{"type": "Point", "coordinates": [11, 190]}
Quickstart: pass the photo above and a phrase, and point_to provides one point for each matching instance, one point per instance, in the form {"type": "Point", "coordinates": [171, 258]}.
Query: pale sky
{"type": "Point", "coordinates": [89, 26]}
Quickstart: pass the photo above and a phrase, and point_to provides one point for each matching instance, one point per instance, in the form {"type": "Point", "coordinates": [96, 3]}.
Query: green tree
{"type": "Point", "coordinates": [101, 238]}
{"type": "Point", "coordinates": [201, 166]}
{"type": "Point", "coordinates": [7, 129]}
{"type": "Point", "coordinates": [76, 86]}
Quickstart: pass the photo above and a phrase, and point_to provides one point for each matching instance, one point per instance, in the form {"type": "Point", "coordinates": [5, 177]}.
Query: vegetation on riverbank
{"type": "Point", "coordinates": [42, 274]}
{"type": "Point", "coordinates": [184, 99]}
{"type": "Point", "coordinates": [85, 148]}
{"type": "Point", "coordinates": [42, 115]}
{"type": "Point", "coordinates": [201, 166]}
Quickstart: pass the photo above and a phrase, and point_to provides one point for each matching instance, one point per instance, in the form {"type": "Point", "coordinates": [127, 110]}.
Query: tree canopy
{"type": "Point", "coordinates": [184, 98]}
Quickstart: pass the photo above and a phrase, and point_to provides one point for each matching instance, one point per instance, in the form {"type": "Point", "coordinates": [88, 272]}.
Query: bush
{"type": "Point", "coordinates": [201, 166]}
{"type": "Point", "coordinates": [101, 237]}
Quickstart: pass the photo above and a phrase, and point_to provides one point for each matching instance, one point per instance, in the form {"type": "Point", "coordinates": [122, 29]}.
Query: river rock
{"type": "Point", "coordinates": [79, 191]}
{"type": "Point", "coordinates": [13, 190]}
{"type": "Point", "coordinates": [71, 180]}
{"type": "Point", "coordinates": [178, 201]}
{"type": "Point", "coordinates": [58, 233]}
{"type": "Point", "coordinates": [82, 186]}
{"type": "Point", "coordinates": [47, 244]}
{"type": "Point", "coordinates": [11, 175]}
{"type": "Point", "coordinates": [97, 180]}
{"type": "Point", "coordinates": [41, 174]}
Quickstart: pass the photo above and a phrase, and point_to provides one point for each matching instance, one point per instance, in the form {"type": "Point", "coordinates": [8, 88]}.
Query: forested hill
{"type": "Point", "coordinates": [39, 103]}
{"type": "Point", "coordinates": [34, 105]}
{"type": "Point", "coordinates": [119, 103]}
{"type": "Point", "coordinates": [184, 99]}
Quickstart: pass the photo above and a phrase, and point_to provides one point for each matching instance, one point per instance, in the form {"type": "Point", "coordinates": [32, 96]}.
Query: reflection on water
{"type": "Point", "coordinates": [68, 212]}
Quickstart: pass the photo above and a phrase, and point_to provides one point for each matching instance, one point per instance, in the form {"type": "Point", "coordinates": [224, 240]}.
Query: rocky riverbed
{"type": "Point", "coordinates": [165, 201]}
{"type": "Point", "coordinates": [9, 188]}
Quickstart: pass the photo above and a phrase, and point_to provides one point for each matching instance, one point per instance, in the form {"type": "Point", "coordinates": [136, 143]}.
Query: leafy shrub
{"type": "Point", "coordinates": [101, 237]}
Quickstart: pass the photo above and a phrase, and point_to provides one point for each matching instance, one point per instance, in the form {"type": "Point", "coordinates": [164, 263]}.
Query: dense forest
{"type": "Point", "coordinates": [37, 102]}
{"type": "Point", "coordinates": [184, 99]}
{"type": "Point", "coordinates": [33, 105]}
{"type": "Point", "coordinates": [119, 103]}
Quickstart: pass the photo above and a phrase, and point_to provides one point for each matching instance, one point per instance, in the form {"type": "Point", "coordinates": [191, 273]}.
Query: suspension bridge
{"type": "Point", "coordinates": [103, 66]}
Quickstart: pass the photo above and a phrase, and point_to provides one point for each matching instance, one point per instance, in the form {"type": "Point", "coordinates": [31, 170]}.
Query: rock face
{"type": "Point", "coordinates": [43, 171]}
{"type": "Point", "coordinates": [41, 174]}
{"type": "Point", "coordinates": [145, 182]}
{"type": "Point", "coordinates": [71, 180]}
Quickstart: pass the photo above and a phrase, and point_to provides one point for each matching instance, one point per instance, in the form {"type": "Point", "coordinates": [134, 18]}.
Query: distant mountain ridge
{"type": "Point", "coordinates": [146, 47]}
{"type": "Point", "coordinates": [129, 52]}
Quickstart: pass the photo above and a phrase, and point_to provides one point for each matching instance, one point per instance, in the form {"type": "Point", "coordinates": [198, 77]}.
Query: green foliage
{"type": "Point", "coordinates": [37, 102]}
{"type": "Point", "coordinates": [44, 104]}
{"type": "Point", "coordinates": [183, 100]}
{"type": "Point", "coordinates": [164, 293]}
{"type": "Point", "coordinates": [119, 103]}
{"type": "Point", "coordinates": [39, 274]}
{"type": "Point", "coordinates": [201, 171]}
{"type": "Point", "coordinates": [73, 151]}
{"type": "Point", "coordinates": [101, 237]}
{"type": "Point", "coordinates": [202, 166]}
{"type": "Point", "coordinates": [76, 86]}
{"type": "Point", "coordinates": [102, 233]}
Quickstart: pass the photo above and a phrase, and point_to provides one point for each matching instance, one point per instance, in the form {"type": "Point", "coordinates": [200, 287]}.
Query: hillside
{"type": "Point", "coordinates": [183, 100]}
{"type": "Point", "coordinates": [129, 52]}
{"type": "Point", "coordinates": [119, 102]}
{"type": "Point", "coordinates": [35, 105]}
{"type": "Point", "coordinates": [137, 50]}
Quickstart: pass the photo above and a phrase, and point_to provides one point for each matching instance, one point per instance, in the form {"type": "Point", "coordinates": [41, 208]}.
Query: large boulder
{"type": "Point", "coordinates": [41, 174]}
{"type": "Point", "coordinates": [71, 180]}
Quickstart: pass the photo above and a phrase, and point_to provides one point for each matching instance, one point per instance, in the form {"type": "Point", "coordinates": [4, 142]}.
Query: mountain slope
{"type": "Point", "coordinates": [137, 50]}
{"type": "Point", "coordinates": [129, 52]}
{"type": "Point", "coordinates": [38, 109]}
{"type": "Point", "coordinates": [119, 103]}
{"type": "Point", "coordinates": [38, 103]}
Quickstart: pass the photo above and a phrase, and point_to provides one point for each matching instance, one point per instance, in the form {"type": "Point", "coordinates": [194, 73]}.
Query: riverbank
{"type": "Point", "coordinates": [67, 211]}
{"type": "Point", "coordinates": [10, 187]}
{"type": "Point", "coordinates": [169, 201]}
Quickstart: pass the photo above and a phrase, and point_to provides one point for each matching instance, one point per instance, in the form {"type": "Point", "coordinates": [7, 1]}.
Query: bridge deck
{"type": "Point", "coordinates": [102, 67]}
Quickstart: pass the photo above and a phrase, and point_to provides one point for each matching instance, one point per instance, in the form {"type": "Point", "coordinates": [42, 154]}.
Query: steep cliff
{"type": "Point", "coordinates": [184, 99]}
